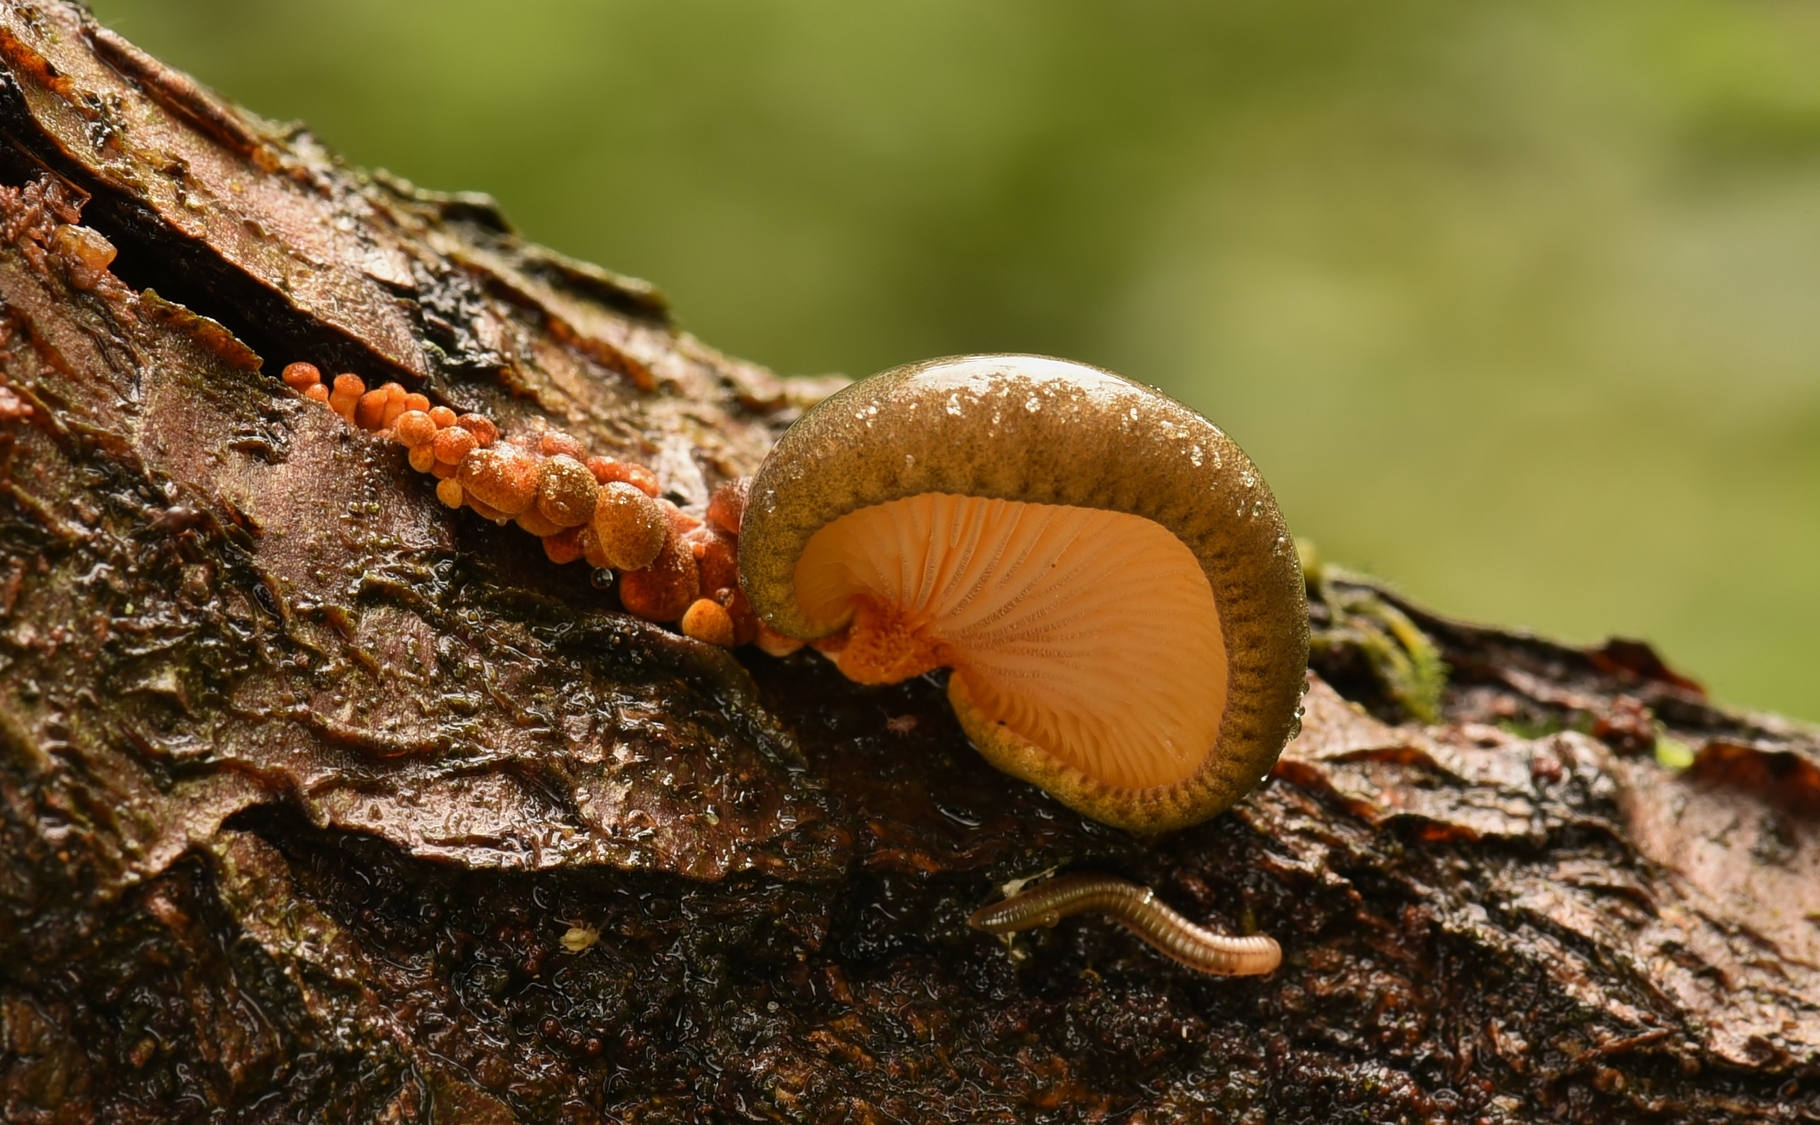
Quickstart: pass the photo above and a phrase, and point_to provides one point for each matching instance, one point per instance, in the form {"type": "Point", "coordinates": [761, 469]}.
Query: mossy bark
{"type": "Point", "coordinates": [323, 802]}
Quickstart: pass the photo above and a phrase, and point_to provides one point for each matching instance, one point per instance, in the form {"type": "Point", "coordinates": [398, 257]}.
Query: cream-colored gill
{"type": "Point", "coordinates": [1091, 633]}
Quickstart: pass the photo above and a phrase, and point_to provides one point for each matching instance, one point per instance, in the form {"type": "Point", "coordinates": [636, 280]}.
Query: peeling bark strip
{"type": "Point", "coordinates": [306, 779]}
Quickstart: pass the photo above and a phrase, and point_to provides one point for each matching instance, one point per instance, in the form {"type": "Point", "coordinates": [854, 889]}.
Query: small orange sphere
{"type": "Point", "coordinates": [301, 376]}
{"type": "Point", "coordinates": [664, 590]}
{"type": "Point", "coordinates": [566, 491]}
{"type": "Point", "coordinates": [415, 401]}
{"type": "Point", "coordinates": [316, 392]}
{"type": "Point", "coordinates": [423, 458]}
{"type": "Point", "coordinates": [414, 428]}
{"type": "Point", "coordinates": [348, 389]}
{"type": "Point", "coordinates": [452, 444]}
{"type": "Point", "coordinates": [369, 411]}
{"type": "Point", "coordinates": [449, 492]}
{"type": "Point", "coordinates": [394, 405]}
{"type": "Point", "coordinates": [707, 620]}
{"type": "Point", "coordinates": [482, 427]}
{"type": "Point", "coordinates": [442, 416]}
{"type": "Point", "coordinates": [628, 529]}
{"type": "Point", "coordinates": [503, 477]}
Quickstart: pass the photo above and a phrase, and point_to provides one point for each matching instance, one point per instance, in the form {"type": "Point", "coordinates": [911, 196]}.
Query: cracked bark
{"type": "Point", "coordinates": [322, 802]}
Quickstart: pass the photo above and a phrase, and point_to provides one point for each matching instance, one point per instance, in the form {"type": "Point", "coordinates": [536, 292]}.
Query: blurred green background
{"type": "Point", "coordinates": [1516, 304]}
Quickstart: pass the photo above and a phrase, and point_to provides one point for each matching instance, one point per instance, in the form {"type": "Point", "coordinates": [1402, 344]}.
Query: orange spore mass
{"type": "Point", "coordinates": [86, 253]}
{"type": "Point", "coordinates": [605, 511]}
{"type": "Point", "coordinates": [1092, 634]}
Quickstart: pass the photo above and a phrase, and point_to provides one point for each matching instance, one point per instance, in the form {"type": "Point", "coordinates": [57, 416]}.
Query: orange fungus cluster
{"type": "Point", "coordinates": [669, 566]}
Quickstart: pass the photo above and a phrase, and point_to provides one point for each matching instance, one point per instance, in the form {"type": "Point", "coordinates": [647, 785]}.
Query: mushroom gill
{"type": "Point", "coordinates": [1032, 605]}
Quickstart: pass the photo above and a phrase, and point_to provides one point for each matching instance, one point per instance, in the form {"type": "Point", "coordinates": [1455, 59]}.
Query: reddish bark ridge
{"type": "Point", "coordinates": [322, 802]}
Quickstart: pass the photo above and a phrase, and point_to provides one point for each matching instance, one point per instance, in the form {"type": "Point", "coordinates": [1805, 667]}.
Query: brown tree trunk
{"type": "Point", "coordinates": [323, 802]}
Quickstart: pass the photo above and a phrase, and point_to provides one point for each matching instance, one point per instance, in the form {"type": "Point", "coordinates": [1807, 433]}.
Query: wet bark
{"type": "Point", "coordinates": [322, 802]}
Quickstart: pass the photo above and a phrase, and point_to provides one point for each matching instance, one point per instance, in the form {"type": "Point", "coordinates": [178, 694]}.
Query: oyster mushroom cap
{"type": "Point", "coordinates": [1103, 569]}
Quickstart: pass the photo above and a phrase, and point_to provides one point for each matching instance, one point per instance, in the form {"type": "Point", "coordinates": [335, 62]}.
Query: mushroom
{"type": "Point", "coordinates": [1103, 570]}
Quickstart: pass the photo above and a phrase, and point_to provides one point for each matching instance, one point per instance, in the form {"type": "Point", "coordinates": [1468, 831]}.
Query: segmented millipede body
{"type": "Point", "coordinates": [1137, 909]}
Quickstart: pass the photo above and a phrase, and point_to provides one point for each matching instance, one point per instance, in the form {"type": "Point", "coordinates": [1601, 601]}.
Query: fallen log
{"type": "Point", "coordinates": [325, 802]}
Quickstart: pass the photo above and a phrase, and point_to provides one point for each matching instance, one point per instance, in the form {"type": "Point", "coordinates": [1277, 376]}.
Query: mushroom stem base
{"type": "Point", "coordinates": [883, 646]}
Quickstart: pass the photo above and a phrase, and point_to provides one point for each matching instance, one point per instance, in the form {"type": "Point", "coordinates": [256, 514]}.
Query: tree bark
{"type": "Point", "coordinates": [323, 802]}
